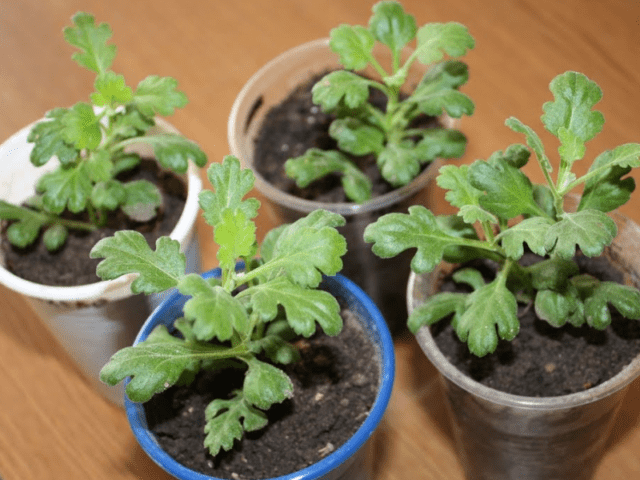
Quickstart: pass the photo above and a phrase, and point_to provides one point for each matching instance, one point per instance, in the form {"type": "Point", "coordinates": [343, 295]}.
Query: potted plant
{"type": "Point", "coordinates": [534, 253]}
{"type": "Point", "coordinates": [100, 179]}
{"type": "Point", "coordinates": [247, 319]}
{"type": "Point", "coordinates": [365, 115]}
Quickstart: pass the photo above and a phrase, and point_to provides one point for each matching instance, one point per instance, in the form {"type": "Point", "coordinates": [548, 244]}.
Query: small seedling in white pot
{"type": "Point", "coordinates": [90, 141]}
{"type": "Point", "coordinates": [362, 128]}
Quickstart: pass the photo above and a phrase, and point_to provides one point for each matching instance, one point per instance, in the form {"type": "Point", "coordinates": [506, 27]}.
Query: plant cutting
{"type": "Point", "coordinates": [246, 319]}
{"type": "Point", "coordinates": [501, 215]}
{"type": "Point", "coordinates": [89, 164]}
{"type": "Point", "coordinates": [363, 77]}
{"type": "Point", "coordinates": [361, 128]}
{"type": "Point", "coordinates": [90, 142]}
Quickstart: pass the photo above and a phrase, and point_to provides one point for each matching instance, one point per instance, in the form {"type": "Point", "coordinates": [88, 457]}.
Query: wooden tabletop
{"type": "Point", "coordinates": [52, 425]}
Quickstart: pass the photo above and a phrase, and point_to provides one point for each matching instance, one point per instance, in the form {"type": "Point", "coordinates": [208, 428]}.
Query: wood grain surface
{"type": "Point", "coordinates": [52, 425]}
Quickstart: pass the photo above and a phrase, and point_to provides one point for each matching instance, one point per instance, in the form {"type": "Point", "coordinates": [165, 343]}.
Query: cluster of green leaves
{"type": "Point", "coordinates": [491, 196]}
{"type": "Point", "coordinates": [361, 128]}
{"type": "Point", "coordinates": [241, 318]}
{"type": "Point", "coordinates": [90, 140]}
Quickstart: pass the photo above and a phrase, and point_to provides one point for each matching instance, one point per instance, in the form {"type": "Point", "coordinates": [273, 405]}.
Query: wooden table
{"type": "Point", "coordinates": [52, 425]}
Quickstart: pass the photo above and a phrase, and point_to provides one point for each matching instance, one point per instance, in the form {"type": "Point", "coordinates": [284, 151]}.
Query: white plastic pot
{"type": "Point", "coordinates": [90, 321]}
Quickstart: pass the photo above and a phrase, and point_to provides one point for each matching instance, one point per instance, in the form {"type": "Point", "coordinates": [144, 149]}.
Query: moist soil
{"type": "Point", "coordinates": [544, 361]}
{"type": "Point", "coordinates": [290, 128]}
{"type": "Point", "coordinates": [71, 265]}
{"type": "Point", "coordinates": [335, 385]}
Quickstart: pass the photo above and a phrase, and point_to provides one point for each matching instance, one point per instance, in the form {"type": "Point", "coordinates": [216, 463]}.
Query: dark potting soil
{"type": "Point", "coordinates": [335, 385]}
{"type": "Point", "coordinates": [71, 265]}
{"type": "Point", "coordinates": [544, 361]}
{"type": "Point", "coordinates": [290, 128]}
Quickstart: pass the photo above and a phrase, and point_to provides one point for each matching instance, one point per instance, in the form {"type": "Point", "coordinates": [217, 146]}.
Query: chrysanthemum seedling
{"type": "Point", "coordinates": [490, 195]}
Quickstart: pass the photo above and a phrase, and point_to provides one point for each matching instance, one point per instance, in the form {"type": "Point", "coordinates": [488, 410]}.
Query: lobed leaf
{"type": "Point", "coordinates": [111, 89]}
{"type": "Point", "coordinates": [81, 127]}
{"type": "Point", "coordinates": [158, 96]}
{"type": "Point", "coordinates": [533, 140]}
{"type": "Point", "coordinates": [532, 231]}
{"type": "Point", "coordinates": [127, 251]}
{"type": "Point", "coordinates": [391, 26]}
{"type": "Point", "coordinates": [440, 143]}
{"type": "Point", "coordinates": [624, 298]}
{"type": "Point", "coordinates": [49, 141]}
{"type": "Point", "coordinates": [340, 87]}
{"type": "Point", "coordinates": [265, 385]}
{"type": "Point", "coordinates": [436, 38]}
{"type": "Point", "coordinates": [173, 151]}
{"type": "Point", "coordinates": [108, 195]}
{"type": "Point", "coordinates": [590, 230]}
{"type": "Point", "coordinates": [65, 188]}
{"type": "Point", "coordinates": [353, 45]}
{"type": "Point", "coordinates": [357, 137]}
{"type": "Point", "coordinates": [399, 163]}
{"type": "Point", "coordinates": [434, 309]}
{"type": "Point", "coordinates": [91, 39]}
{"type": "Point", "coordinates": [435, 102]}
{"type": "Point", "coordinates": [236, 236]}
{"type": "Point", "coordinates": [141, 200]}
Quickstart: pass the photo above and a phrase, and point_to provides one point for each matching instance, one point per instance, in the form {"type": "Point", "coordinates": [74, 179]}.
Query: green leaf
{"type": "Point", "coordinates": [108, 195]}
{"type": "Point", "coordinates": [434, 309]}
{"type": "Point", "coordinates": [158, 96]}
{"type": "Point", "coordinates": [353, 45]}
{"type": "Point", "coordinates": [100, 166]}
{"type": "Point", "coordinates": [226, 420]}
{"type": "Point", "coordinates": [111, 89]}
{"type": "Point", "coordinates": [66, 188]}
{"type": "Point", "coordinates": [154, 364]}
{"type": "Point", "coordinates": [81, 127]}
{"type": "Point", "coordinates": [236, 236]}
{"type": "Point", "coordinates": [556, 307]}
{"type": "Point", "coordinates": [624, 298]}
{"type": "Point", "coordinates": [532, 231]}
{"type": "Point", "coordinates": [533, 140]}
{"type": "Point", "coordinates": [396, 232]}
{"type": "Point", "coordinates": [552, 273]}
{"type": "Point", "coordinates": [440, 143]}
{"type": "Point", "coordinates": [436, 38]}
{"type": "Point", "coordinates": [49, 141]}
{"type": "Point", "coordinates": [173, 151]}
{"type": "Point", "coordinates": [142, 199]}
{"type": "Point", "coordinates": [391, 26]}
{"type": "Point", "coordinates": [509, 192]}
{"type": "Point", "coordinates": [307, 248]}
{"type": "Point", "coordinates": [340, 87]}
{"type": "Point", "coordinates": [214, 311]}
{"type": "Point", "coordinates": [399, 163]}
{"type": "Point", "coordinates": [54, 237]}
{"type": "Point", "coordinates": [469, 276]}
{"type": "Point", "coordinates": [130, 123]}
{"type": "Point", "coordinates": [316, 163]}
{"type": "Point", "coordinates": [356, 137]}
{"type": "Point", "coordinates": [128, 252]}
{"type": "Point", "coordinates": [456, 226]}
{"type": "Point", "coordinates": [569, 116]}
{"type": "Point", "coordinates": [303, 307]}
{"type": "Point", "coordinates": [276, 349]}
{"type": "Point", "coordinates": [91, 39]}
{"type": "Point", "coordinates": [590, 230]}
{"type": "Point", "coordinates": [265, 385]}
{"type": "Point", "coordinates": [449, 74]}
{"type": "Point", "coordinates": [516, 155]}
{"type": "Point", "coordinates": [490, 307]}
{"type": "Point", "coordinates": [460, 192]}
{"type": "Point", "coordinates": [230, 185]}
{"type": "Point", "coordinates": [436, 102]}
{"type": "Point", "coordinates": [24, 232]}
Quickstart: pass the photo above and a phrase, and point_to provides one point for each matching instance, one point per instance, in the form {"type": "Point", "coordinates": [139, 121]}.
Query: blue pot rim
{"type": "Point", "coordinates": [171, 307]}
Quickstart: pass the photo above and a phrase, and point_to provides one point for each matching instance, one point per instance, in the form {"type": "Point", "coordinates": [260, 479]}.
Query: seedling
{"type": "Point", "coordinates": [360, 128]}
{"type": "Point", "coordinates": [90, 141]}
{"type": "Point", "coordinates": [490, 195]}
{"type": "Point", "coordinates": [232, 319]}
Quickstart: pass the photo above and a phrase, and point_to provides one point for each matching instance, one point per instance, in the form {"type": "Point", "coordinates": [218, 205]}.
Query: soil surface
{"type": "Point", "coordinates": [335, 385]}
{"type": "Point", "coordinates": [290, 128]}
{"type": "Point", "coordinates": [546, 361]}
{"type": "Point", "coordinates": [71, 265]}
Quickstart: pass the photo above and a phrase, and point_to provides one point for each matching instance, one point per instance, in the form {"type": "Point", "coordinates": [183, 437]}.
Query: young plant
{"type": "Point", "coordinates": [238, 319]}
{"type": "Point", "coordinates": [490, 195]}
{"type": "Point", "coordinates": [360, 128]}
{"type": "Point", "coordinates": [90, 141]}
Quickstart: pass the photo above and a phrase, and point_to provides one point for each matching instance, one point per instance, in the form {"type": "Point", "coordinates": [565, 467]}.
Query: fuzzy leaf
{"type": "Point", "coordinates": [356, 137]}
{"type": "Point", "coordinates": [436, 38]}
{"type": "Point", "coordinates": [460, 192]}
{"type": "Point", "coordinates": [155, 364]}
{"type": "Point", "coordinates": [396, 232]}
{"type": "Point", "coordinates": [226, 420]}
{"type": "Point", "coordinates": [142, 199]}
{"type": "Point", "coordinates": [236, 236]}
{"type": "Point", "coordinates": [307, 248]}
{"type": "Point", "coordinates": [91, 39]}
{"type": "Point", "coordinates": [128, 252]}
{"type": "Point", "coordinates": [214, 311]}
{"type": "Point", "coordinates": [303, 307]}
{"type": "Point", "coordinates": [158, 96]}
{"type": "Point", "coordinates": [173, 151]}
{"type": "Point", "coordinates": [265, 385]}
{"type": "Point", "coordinates": [569, 116]}
{"type": "Point", "coordinates": [590, 230]}
{"type": "Point", "coordinates": [340, 87]}
{"type": "Point", "coordinates": [111, 89]}
{"type": "Point", "coordinates": [390, 25]}
{"type": "Point", "coordinates": [353, 45]}
{"type": "Point", "coordinates": [490, 307]}
{"type": "Point", "coordinates": [81, 127]}
{"type": "Point", "coordinates": [626, 300]}
{"type": "Point", "coordinates": [531, 231]}
{"type": "Point", "coordinates": [49, 141]}
{"type": "Point", "coordinates": [230, 185]}
{"type": "Point", "coordinates": [435, 308]}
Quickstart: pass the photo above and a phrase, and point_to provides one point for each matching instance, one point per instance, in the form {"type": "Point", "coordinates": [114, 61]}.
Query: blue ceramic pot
{"type": "Point", "coordinates": [352, 460]}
